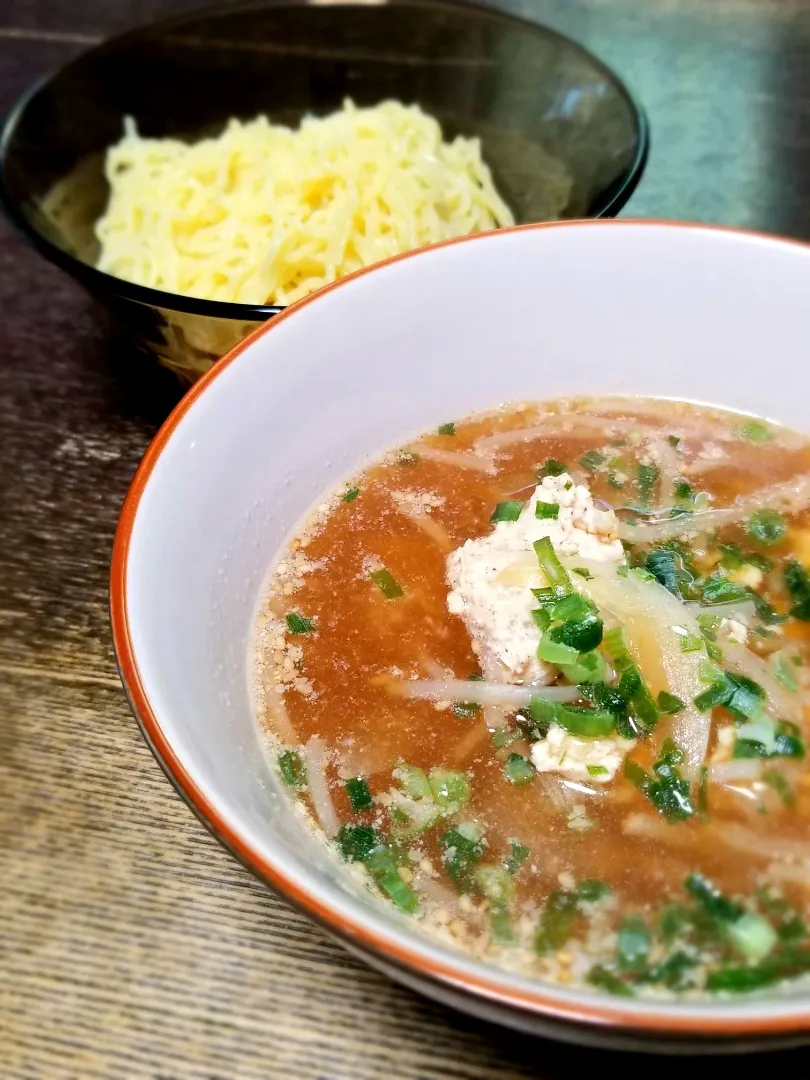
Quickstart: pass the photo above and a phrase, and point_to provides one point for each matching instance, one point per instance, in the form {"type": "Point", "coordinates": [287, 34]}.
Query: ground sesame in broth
{"type": "Point", "coordinates": [358, 607]}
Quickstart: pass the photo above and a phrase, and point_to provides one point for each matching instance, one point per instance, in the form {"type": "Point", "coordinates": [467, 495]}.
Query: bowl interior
{"type": "Point", "coordinates": [588, 308]}
{"type": "Point", "coordinates": [537, 101]}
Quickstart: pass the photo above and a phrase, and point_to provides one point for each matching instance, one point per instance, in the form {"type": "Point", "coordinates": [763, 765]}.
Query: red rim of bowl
{"type": "Point", "coordinates": [540, 1003]}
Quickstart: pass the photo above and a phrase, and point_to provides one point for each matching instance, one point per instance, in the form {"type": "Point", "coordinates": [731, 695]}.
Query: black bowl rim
{"type": "Point", "coordinates": [98, 282]}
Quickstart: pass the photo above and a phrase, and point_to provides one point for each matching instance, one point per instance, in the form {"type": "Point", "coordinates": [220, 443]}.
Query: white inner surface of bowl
{"type": "Point", "coordinates": [586, 308]}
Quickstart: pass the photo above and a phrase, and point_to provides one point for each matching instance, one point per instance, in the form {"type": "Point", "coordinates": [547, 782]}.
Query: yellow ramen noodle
{"type": "Point", "coordinates": [265, 214]}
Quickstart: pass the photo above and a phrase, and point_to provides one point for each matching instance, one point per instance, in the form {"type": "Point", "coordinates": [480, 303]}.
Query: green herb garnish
{"type": "Point", "coordinates": [767, 527]}
{"type": "Point", "coordinates": [669, 704]}
{"type": "Point", "coordinates": [351, 494]}
{"type": "Point", "coordinates": [576, 719]}
{"type": "Point", "coordinates": [298, 624]}
{"type": "Point", "coordinates": [386, 583]}
{"type": "Point", "coordinates": [518, 854]}
{"type": "Point", "coordinates": [518, 770]}
{"type": "Point", "coordinates": [507, 511]}
{"type": "Point", "coordinates": [551, 468]}
{"type": "Point", "coordinates": [546, 511]}
{"type": "Point", "coordinates": [797, 584]}
{"type": "Point", "coordinates": [582, 571]}
{"type": "Point", "coordinates": [356, 842]}
{"type": "Point", "coordinates": [667, 790]}
{"type": "Point", "coordinates": [756, 431]}
{"type": "Point", "coordinates": [465, 709]}
{"type": "Point", "coordinates": [463, 846]}
{"type": "Point", "coordinates": [553, 570]}
{"type": "Point", "coordinates": [633, 944]}
{"type": "Point", "coordinates": [592, 460]}
{"type": "Point", "coordinates": [740, 695]}
{"type": "Point", "coordinates": [293, 770]}
{"type": "Point", "coordinates": [359, 794]}
{"type": "Point", "coordinates": [605, 979]}
{"type": "Point", "coordinates": [647, 479]}
{"type": "Point", "coordinates": [446, 429]}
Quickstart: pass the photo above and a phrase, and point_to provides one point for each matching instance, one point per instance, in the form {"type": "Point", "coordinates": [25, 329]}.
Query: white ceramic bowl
{"type": "Point", "coordinates": [597, 307]}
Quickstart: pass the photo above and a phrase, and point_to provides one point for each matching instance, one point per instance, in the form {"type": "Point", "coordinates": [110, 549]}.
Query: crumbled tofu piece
{"type": "Point", "coordinates": [491, 578]}
{"type": "Point", "coordinates": [748, 575]}
{"type": "Point", "coordinates": [724, 747]}
{"type": "Point", "coordinates": [735, 630]}
{"type": "Point", "coordinates": [571, 755]}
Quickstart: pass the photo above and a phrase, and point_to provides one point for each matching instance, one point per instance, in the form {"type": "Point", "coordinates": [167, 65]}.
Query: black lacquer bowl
{"type": "Point", "coordinates": [528, 93]}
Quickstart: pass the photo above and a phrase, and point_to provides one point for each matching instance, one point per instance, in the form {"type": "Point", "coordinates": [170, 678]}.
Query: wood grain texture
{"type": "Point", "coordinates": [131, 946]}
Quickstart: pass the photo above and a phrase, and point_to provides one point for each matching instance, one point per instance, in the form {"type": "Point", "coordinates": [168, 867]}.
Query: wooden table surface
{"type": "Point", "coordinates": [131, 945]}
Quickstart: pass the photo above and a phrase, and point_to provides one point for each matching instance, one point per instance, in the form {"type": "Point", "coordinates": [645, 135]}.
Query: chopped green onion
{"type": "Point", "coordinates": [577, 720]}
{"type": "Point", "coordinates": [668, 704]}
{"type": "Point", "coordinates": [683, 490]}
{"type": "Point", "coordinates": [740, 695]}
{"type": "Point", "coordinates": [647, 479]}
{"type": "Point", "coordinates": [551, 468]}
{"type": "Point", "coordinates": [386, 583]}
{"type": "Point", "coordinates": [712, 900]}
{"type": "Point", "coordinates": [582, 571]}
{"type": "Point", "coordinates": [359, 794]}
{"type": "Point", "coordinates": [668, 791]}
{"type": "Point", "coordinates": [518, 854]}
{"type": "Point", "coordinates": [734, 558]}
{"type": "Point", "coordinates": [497, 884]}
{"type": "Point", "coordinates": [462, 848]}
{"type": "Point", "coordinates": [298, 624]}
{"type": "Point", "coordinates": [640, 698]}
{"type": "Point", "coordinates": [776, 780]}
{"type": "Point", "coordinates": [591, 890]}
{"type": "Point", "coordinates": [465, 708]}
{"type": "Point", "coordinates": [450, 789]}
{"type": "Point", "coordinates": [672, 971]}
{"type": "Point", "coordinates": [351, 494]}
{"type": "Point", "coordinates": [614, 481]}
{"type": "Point", "coordinates": [605, 979]}
{"type": "Point", "coordinates": [691, 643]}
{"type": "Point", "coordinates": [581, 627]}
{"type": "Point", "coordinates": [356, 842]}
{"type": "Point", "coordinates": [504, 736]}
{"type": "Point", "coordinates": [542, 619]}
{"type": "Point", "coordinates": [591, 460]}
{"type": "Point", "coordinates": [719, 590]}
{"type": "Point", "coordinates": [413, 781]}
{"type": "Point", "coordinates": [597, 770]}
{"type": "Point", "coordinates": [382, 866]}
{"type": "Point", "coordinates": [292, 768]}
{"type": "Point", "coordinates": [557, 921]}
{"type": "Point", "coordinates": [447, 429]}
{"type": "Point", "coordinates": [797, 583]}
{"type": "Point", "coordinates": [519, 770]}
{"type": "Point", "coordinates": [767, 527]}
{"type": "Point", "coordinates": [553, 570]}
{"type": "Point", "coordinates": [633, 944]}
{"type": "Point", "coordinates": [756, 431]}
{"type": "Point", "coordinates": [546, 510]}
{"type": "Point", "coordinates": [787, 964]}
{"type": "Point", "coordinates": [507, 511]}
{"type": "Point", "coordinates": [703, 793]}
{"type": "Point", "coordinates": [784, 671]}
{"type": "Point", "coordinates": [753, 936]}
{"type": "Point", "coordinates": [553, 652]}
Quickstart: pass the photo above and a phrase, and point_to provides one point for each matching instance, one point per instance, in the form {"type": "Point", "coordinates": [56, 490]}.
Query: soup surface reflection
{"type": "Point", "coordinates": [541, 677]}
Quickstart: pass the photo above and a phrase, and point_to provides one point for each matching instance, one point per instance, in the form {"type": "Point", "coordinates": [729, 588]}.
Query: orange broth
{"type": "Point", "coordinates": [337, 684]}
